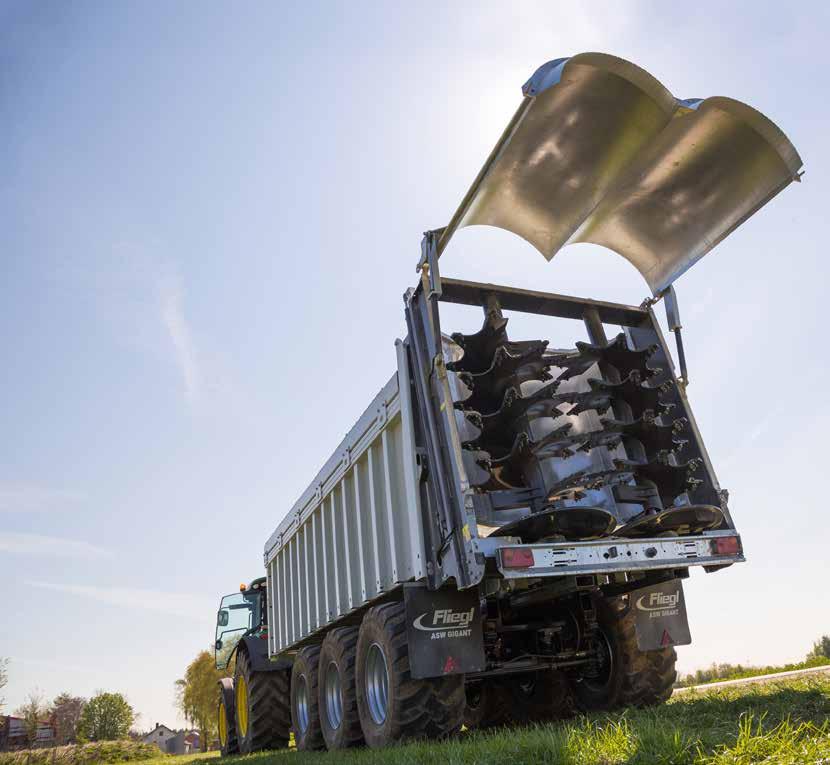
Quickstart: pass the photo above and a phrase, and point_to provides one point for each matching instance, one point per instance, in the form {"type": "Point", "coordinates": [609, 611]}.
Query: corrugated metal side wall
{"type": "Point", "coordinates": [356, 532]}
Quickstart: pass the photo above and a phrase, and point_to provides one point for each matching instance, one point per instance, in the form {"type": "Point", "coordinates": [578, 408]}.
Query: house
{"type": "Point", "coordinates": [172, 741]}
{"type": "Point", "coordinates": [159, 736]}
{"type": "Point", "coordinates": [193, 742]}
{"type": "Point", "coordinates": [182, 742]}
{"type": "Point", "coordinates": [13, 734]}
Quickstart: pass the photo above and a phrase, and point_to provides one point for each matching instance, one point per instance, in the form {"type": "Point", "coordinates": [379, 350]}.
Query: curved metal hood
{"type": "Point", "coordinates": [600, 151]}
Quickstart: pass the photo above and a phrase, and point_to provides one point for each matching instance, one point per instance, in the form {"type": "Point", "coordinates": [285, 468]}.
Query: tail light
{"type": "Point", "coordinates": [517, 557]}
{"type": "Point", "coordinates": [726, 546]}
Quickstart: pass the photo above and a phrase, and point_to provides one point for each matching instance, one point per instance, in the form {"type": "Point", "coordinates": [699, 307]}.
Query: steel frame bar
{"type": "Point", "coordinates": [542, 303]}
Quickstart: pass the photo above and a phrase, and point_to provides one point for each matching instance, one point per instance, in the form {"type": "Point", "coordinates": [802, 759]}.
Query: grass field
{"type": "Point", "coordinates": [777, 723]}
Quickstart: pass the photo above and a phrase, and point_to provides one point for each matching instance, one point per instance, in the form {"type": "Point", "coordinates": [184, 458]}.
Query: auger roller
{"type": "Point", "coordinates": [501, 414]}
{"type": "Point", "coordinates": [616, 353]}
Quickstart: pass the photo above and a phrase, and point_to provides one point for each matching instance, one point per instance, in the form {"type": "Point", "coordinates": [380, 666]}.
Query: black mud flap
{"type": "Point", "coordinates": [660, 616]}
{"type": "Point", "coordinates": [443, 628]}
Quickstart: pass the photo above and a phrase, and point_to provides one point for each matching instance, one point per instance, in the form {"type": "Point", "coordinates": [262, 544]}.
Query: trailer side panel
{"type": "Point", "coordinates": [350, 538]}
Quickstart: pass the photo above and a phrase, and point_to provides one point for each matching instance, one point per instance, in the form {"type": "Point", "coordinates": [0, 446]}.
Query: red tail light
{"type": "Point", "coordinates": [726, 546]}
{"type": "Point", "coordinates": [517, 557]}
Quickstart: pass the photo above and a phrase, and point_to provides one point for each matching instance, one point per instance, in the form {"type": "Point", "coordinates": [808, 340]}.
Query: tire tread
{"type": "Point", "coordinates": [431, 708]}
{"type": "Point", "coordinates": [269, 715]}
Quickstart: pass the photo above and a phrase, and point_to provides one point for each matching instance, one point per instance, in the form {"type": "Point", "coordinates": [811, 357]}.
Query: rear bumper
{"type": "Point", "coordinates": [620, 555]}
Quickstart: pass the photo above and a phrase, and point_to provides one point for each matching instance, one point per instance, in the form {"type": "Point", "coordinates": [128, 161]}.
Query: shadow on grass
{"type": "Point", "coordinates": [780, 723]}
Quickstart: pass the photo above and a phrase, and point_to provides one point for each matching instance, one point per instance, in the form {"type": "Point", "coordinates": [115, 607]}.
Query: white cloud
{"type": "Point", "coordinates": [172, 314]}
{"type": "Point", "coordinates": [40, 544]}
{"type": "Point", "coordinates": [161, 601]}
{"type": "Point", "coordinates": [26, 498]}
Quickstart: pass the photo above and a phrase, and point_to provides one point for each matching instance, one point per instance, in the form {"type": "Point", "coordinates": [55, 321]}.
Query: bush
{"type": "Point", "coordinates": [718, 672]}
{"type": "Point", "coordinates": [82, 754]}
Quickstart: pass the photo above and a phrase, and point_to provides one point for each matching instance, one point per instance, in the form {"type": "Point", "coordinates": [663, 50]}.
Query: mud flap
{"type": "Point", "coordinates": [443, 629]}
{"type": "Point", "coordinates": [660, 616]}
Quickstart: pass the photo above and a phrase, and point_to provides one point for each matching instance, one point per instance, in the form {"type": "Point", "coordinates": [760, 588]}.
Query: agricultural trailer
{"type": "Point", "coordinates": [503, 535]}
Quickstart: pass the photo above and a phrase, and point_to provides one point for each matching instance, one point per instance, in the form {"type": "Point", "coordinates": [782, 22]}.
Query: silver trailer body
{"type": "Point", "coordinates": [355, 533]}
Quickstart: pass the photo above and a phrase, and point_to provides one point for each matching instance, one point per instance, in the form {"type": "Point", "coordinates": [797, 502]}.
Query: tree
{"type": "Point", "coordinates": [33, 711]}
{"type": "Point", "coordinates": [196, 695]}
{"type": "Point", "coordinates": [821, 648]}
{"type": "Point", "coordinates": [106, 717]}
{"type": "Point", "coordinates": [65, 717]}
{"type": "Point", "coordinates": [4, 679]}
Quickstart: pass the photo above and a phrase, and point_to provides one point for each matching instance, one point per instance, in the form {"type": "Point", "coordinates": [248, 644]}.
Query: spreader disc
{"type": "Point", "coordinates": [687, 519]}
{"type": "Point", "coordinates": [569, 522]}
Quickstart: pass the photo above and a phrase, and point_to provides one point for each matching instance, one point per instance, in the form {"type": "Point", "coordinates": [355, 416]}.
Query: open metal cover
{"type": "Point", "coordinates": [600, 151]}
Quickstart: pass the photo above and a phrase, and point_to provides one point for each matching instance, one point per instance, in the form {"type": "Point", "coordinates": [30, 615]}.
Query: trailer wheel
{"type": "Point", "coordinates": [305, 715]}
{"type": "Point", "coordinates": [226, 720]}
{"type": "Point", "coordinates": [625, 676]}
{"type": "Point", "coordinates": [488, 704]}
{"type": "Point", "coordinates": [539, 696]}
{"type": "Point", "coordinates": [261, 707]}
{"type": "Point", "coordinates": [337, 687]}
{"type": "Point", "coordinates": [393, 706]}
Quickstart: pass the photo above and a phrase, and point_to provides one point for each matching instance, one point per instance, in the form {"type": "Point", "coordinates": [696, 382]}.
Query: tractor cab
{"type": "Point", "coordinates": [240, 613]}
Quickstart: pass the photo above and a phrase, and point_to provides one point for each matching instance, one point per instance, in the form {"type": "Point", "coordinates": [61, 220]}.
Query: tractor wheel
{"type": "Point", "coordinates": [625, 675]}
{"type": "Point", "coordinates": [393, 706]}
{"type": "Point", "coordinates": [226, 719]}
{"type": "Point", "coordinates": [305, 714]}
{"type": "Point", "coordinates": [538, 697]}
{"type": "Point", "coordinates": [488, 704]}
{"type": "Point", "coordinates": [339, 717]}
{"type": "Point", "coordinates": [262, 707]}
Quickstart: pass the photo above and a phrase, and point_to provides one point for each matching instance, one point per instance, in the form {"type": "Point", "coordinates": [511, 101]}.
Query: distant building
{"type": "Point", "coordinates": [193, 741]}
{"type": "Point", "coordinates": [172, 741]}
{"type": "Point", "coordinates": [13, 734]}
{"type": "Point", "coordinates": [159, 736]}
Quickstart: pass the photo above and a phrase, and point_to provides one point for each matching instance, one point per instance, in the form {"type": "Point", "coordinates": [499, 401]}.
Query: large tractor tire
{"type": "Point", "coordinates": [393, 706]}
{"type": "Point", "coordinates": [305, 714]}
{"type": "Point", "coordinates": [226, 719]}
{"type": "Point", "coordinates": [625, 676]}
{"type": "Point", "coordinates": [488, 704]}
{"type": "Point", "coordinates": [339, 717]}
{"type": "Point", "coordinates": [263, 720]}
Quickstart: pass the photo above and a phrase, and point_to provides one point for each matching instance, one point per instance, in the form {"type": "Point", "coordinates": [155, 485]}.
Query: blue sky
{"type": "Point", "coordinates": [208, 216]}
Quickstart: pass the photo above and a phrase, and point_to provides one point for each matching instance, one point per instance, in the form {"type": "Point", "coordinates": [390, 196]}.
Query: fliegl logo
{"type": "Point", "coordinates": [445, 623]}
{"type": "Point", "coordinates": [659, 601]}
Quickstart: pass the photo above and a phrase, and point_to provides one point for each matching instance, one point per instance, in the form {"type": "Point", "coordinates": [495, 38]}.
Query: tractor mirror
{"type": "Point", "coordinates": [223, 619]}
{"type": "Point", "coordinates": [218, 645]}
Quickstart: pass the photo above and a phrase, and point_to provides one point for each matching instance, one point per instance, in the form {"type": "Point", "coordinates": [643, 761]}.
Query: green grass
{"type": "Point", "coordinates": [169, 759]}
{"type": "Point", "coordinates": [783, 722]}
{"type": "Point", "coordinates": [720, 672]}
{"type": "Point", "coordinates": [83, 754]}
